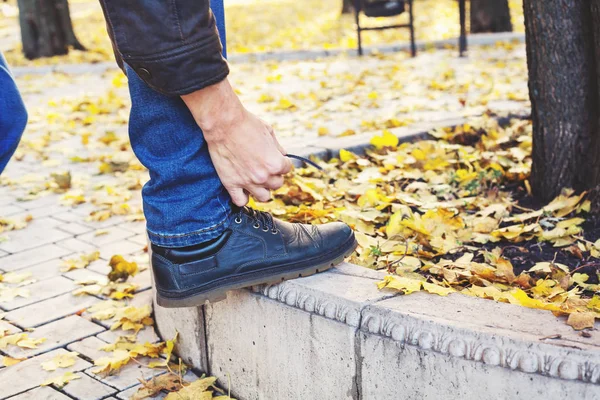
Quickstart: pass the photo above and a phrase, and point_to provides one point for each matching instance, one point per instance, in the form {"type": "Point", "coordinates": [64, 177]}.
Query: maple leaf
{"type": "Point", "coordinates": [21, 340]}
{"type": "Point", "coordinates": [10, 293]}
{"type": "Point", "coordinates": [168, 351]}
{"type": "Point", "coordinates": [346, 155]}
{"type": "Point", "coordinates": [387, 139]}
{"type": "Point", "coordinates": [61, 361]}
{"type": "Point", "coordinates": [9, 361]}
{"type": "Point", "coordinates": [582, 320]}
{"type": "Point", "coordinates": [109, 365]}
{"type": "Point", "coordinates": [79, 263]}
{"type": "Point", "coordinates": [132, 318]}
{"type": "Point", "coordinates": [197, 390]}
{"type": "Point", "coordinates": [61, 380]}
{"type": "Point", "coordinates": [151, 388]}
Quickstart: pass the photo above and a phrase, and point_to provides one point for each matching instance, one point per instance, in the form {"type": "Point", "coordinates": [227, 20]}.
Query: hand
{"type": "Point", "coordinates": [243, 148]}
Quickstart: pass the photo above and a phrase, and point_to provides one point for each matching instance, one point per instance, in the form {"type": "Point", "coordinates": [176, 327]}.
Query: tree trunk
{"type": "Point", "coordinates": [46, 28]}
{"type": "Point", "coordinates": [490, 16]}
{"type": "Point", "coordinates": [347, 6]}
{"type": "Point", "coordinates": [563, 86]}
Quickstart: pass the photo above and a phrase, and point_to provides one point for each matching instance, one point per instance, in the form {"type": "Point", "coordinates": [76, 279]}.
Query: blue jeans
{"type": "Point", "coordinates": [184, 201]}
{"type": "Point", "coordinates": [13, 116]}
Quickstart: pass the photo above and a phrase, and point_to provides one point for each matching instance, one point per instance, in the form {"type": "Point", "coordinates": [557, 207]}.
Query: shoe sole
{"type": "Point", "coordinates": [220, 293]}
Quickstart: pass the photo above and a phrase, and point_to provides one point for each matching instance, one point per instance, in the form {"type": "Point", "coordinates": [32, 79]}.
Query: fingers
{"type": "Point", "coordinates": [238, 196]}
{"type": "Point", "coordinates": [274, 182]}
{"type": "Point", "coordinates": [260, 194]}
{"type": "Point", "coordinates": [280, 147]}
{"type": "Point", "coordinates": [284, 167]}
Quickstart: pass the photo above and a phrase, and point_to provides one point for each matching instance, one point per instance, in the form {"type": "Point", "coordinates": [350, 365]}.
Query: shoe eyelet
{"type": "Point", "coordinates": [256, 225]}
{"type": "Point", "coordinates": [238, 220]}
{"type": "Point", "coordinates": [274, 231]}
{"type": "Point", "coordinates": [265, 229]}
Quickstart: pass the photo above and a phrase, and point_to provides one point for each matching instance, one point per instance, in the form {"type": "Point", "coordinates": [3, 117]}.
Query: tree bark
{"type": "Point", "coordinates": [46, 28]}
{"type": "Point", "coordinates": [347, 6]}
{"type": "Point", "coordinates": [490, 16]}
{"type": "Point", "coordinates": [563, 86]}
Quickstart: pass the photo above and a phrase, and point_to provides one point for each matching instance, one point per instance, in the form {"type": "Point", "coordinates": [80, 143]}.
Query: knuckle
{"type": "Point", "coordinates": [261, 177]}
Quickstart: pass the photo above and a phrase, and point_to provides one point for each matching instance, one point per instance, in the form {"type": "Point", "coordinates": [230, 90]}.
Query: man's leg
{"type": "Point", "coordinates": [13, 116]}
{"type": "Point", "coordinates": [184, 201]}
{"type": "Point", "coordinates": [202, 246]}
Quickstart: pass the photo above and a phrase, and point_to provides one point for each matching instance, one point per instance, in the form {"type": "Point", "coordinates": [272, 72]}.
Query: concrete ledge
{"type": "Point", "coordinates": [336, 336]}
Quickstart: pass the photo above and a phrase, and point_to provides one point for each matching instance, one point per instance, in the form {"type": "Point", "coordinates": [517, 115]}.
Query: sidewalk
{"type": "Point", "coordinates": [75, 183]}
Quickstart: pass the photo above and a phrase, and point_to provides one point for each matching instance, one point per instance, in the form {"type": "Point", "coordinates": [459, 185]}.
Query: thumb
{"type": "Point", "coordinates": [238, 196]}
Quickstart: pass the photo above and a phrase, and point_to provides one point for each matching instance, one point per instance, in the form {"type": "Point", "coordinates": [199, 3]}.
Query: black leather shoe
{"type": "Point", "coordinates": [255, 249]}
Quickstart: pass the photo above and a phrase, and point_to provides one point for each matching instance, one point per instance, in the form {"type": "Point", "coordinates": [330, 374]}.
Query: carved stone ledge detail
{"type": "Point", "coordinates": [494, 350]}
{"type": "Point", "coordinates": [309, 301]}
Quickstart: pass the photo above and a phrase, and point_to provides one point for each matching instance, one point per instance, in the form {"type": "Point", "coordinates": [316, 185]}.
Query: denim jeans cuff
{"type": "Point", "coordinates": [191, 238]}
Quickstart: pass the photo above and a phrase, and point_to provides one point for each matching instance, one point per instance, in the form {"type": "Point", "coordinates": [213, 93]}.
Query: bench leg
{"type": "Point", "coordinates": [413, 47]}
{"type": "Point", "coordinates": [357, 21]}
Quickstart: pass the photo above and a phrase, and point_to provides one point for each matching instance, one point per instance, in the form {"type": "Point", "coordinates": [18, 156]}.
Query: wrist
{"type": "Point", "coordinates": [215, 108]}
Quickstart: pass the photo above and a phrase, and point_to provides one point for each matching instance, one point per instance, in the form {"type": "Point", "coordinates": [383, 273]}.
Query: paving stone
{"type": "Point", "coordinates": [143, 298]}
{"type": "Point", "coordinates": [58, 333]}
{"type": "Point", "coordinates": [148, 334]}
{"type": "Point", "coordinates": [140, 239]}
{"type": "Point", "coordinates": [85, 274]}
{"type": "Point", "coordinates": [143, 280]}
{"type": "Point", "coordinates": [76, 245]}
{"type": "Point", "coordinates": [9, 210]}
{"type": "Point", "coordinates": [45, 270]}
{"type": "Point", "coordinates": [50, 310]}
{"type": "Point", "coordinates": [120, 247]}
{"type": "Point", "coordinates": [107, 223]}
{"type": "Point", "coordinates": [138, 227]}
{"type": "Point", "coordinates": [99, 266]}
{"type": "Point", "coordinates": [39, 291]}
{"type": "Point", "coordinates": [38, 233]}
{"type": "Point", "coordinates": [70, 216]}
{"type": "Point", "coordinates": [43, 201]}
{"type": "Point", "coordinates": [29, 374]}
{"type": "Point", "coordinates": [126, 394]}
{"type": "Point", "coordinates": [5, 326]}
{"type": "Point", "coordinates": [75, 228]}
{"type": "Point", "coordinates": [41, 393]}
{"type": "Point", "coordinates": [113, 234]}
{"type": "Point", "coordinates": [129, 375]}
{"type": "Point", "coordinates": [6, 199]}
{"type": "Point", "coordinates": [32, 257]}
{"type": "Point", "coordinates": [88, 388]}
{"type": "Point", "coordinates": [89, 348]}
{"type": "Point", "coordinates": [47, 211]}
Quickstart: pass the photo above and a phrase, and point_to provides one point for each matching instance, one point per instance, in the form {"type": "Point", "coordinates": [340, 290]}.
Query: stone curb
{"type": "Point", "coordinates": [480, 39]}
{"type": "Point", "coordinates": [329, 147]}
{"type": "Point", "coordinates": [523, 349]}
{"type": "Point", "coordinates": [427, 339]}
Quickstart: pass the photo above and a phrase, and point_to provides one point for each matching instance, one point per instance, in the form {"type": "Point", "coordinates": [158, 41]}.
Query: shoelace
{"type": "Point", "coordinates": [263, 219]}
{"type": "Point", "coordinates": [305, 160]}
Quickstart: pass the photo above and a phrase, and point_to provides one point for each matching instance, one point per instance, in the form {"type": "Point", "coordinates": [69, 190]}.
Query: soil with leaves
{"type": "Point", "coordinates": [455, 214]}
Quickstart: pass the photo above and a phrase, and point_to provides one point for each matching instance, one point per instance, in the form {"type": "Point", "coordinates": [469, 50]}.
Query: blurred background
{"type": "Point", "coordinates": [261, 26]}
